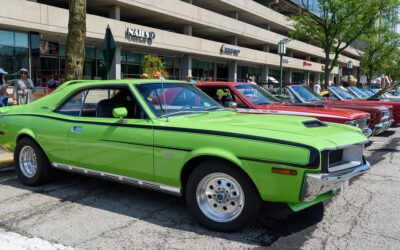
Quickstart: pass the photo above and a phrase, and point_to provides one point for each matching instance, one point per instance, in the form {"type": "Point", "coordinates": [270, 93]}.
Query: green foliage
{"type": "Point", "coordinates": [391, 68]}
{"type": "Point", "coordinates": [382, 43]}
{"type": "Point", "coordinates": [339, 24]}
{"type": "Point", "coordinates": [151, 65]}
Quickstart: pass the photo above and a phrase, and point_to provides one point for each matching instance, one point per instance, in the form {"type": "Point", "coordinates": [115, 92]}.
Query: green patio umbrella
{"type": "Point", "coordinates": [108, 50]}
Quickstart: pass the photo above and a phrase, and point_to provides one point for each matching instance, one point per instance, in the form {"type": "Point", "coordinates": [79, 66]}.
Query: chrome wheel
{"type": "Point", "coordinates": [27, 161]}
{"type": "Point", "coordinates": [220, 197]}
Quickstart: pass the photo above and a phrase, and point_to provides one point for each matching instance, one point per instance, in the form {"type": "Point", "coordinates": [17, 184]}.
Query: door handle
{"type": "Point", "coordinates": [76, 129]}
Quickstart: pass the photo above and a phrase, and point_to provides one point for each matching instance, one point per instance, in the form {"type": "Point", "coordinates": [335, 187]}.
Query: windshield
{"type": "Point", "coordinates": [358, 92]}
{"type": "Point", "coordinates": [305, 93]}
{"type": "Point", "coordinates": [176, 99]}
{"type": "Point", "coordinates": [342, 93]}
{"type": "Point", "coordinates": [368, 92]}
{"type": "Point", "coordinates": [256, 95]}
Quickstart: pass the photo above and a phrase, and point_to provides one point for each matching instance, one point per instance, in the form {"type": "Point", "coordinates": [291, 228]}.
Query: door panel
{"type": "Point", "coordinates": [112, 146]}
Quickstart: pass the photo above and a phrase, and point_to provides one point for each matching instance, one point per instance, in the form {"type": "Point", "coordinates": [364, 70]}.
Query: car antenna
{"type": "Point", "coordinates": [166, 109]}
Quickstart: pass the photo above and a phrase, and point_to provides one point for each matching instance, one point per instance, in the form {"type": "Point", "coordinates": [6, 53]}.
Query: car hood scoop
{"type": "Point", "coordinates": [314, 124]}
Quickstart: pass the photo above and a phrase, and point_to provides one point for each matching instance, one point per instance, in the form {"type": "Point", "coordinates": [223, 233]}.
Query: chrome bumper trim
{"type": "Point", "coordinates": [382, 127]}
{"type": "Point", "coordinates": [316, 184]}
{"type": "Point", "coordinates": [367, 132]}
{"type": "Point", "coordinates": [120, 178]}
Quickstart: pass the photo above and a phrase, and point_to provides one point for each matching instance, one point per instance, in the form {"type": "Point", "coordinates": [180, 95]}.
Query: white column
{"type": "Point", "coordinates": [288, 75]}
{"type": "Point", "coordinates": [186, 63]}
{"type": "Point", "coordinates": [115, 72]}
{"type": "Point", "coordinates": [264, 74]}
{"type": "Point", "coordinates": [186, 66]}
{"type": "Point", "coordinates": [307, 73]}
{"type": "Point", "coordinates": [235, 15]}
{"type": "Point", "coordinates": [187, 29]}
{"type": "Point", "coordinates": [233, 71]}
{"type": "Point", "coordinates": [234, 40]}
{"type": "Point", "coordinates": [115, 12]}
{"type": "Point", "coordinates": [317, 77]}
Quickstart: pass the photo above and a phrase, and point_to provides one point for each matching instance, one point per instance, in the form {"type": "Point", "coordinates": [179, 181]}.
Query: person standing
{"type": "Point", "coordinates": [317, 88]}
{"type": "Point", "coordinates": [3, 89]}
{"type": "Point", "coordinates": [159, 76]}
{"type": "Point", "coordinates": [23, 89]}
{"type": "Point", "coordinates": [189, 79]}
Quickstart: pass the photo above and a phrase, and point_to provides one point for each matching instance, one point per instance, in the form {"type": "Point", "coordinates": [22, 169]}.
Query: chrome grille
{"type": "Point", "coordinates": [362, 123]}
{"type": "Point", "coordinates": [347, 157]}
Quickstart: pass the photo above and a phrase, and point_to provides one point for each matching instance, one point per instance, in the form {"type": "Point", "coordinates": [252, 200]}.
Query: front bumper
{"type": "Point", "coordinates": [317, 184]}
{"type": "Point", "coordinates": [382, 127]}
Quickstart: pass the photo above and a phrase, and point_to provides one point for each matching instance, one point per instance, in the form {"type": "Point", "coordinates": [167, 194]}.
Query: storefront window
{"type": "Point", "coordinates": [247, 72]}
{"type": "Point", "coordinates": [201, 70]}
{"type": "Point", "coordinates": [21, 39]}
{"type": "Point", "coordinates": [14, 52]}
{"type": "Point", "coordinates": [62, 49]}
{"type": "Point", "coordinates": [90, 52]}
{"type": "Point", "coordinates": [297, 77]}
{"type": "Point", "coordinates": [99, 54]}
{"type": "Point", "coordinates": [7, 38]}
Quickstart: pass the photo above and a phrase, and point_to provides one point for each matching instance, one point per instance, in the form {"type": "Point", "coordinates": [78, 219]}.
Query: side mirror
{"type": "Point", "coordinates": [232, 104]}
{"type": "Point", "coordinates": [120, 113]}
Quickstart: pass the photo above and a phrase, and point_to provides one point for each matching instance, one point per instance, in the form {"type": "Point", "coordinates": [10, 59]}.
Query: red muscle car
{"type": "Point", "coordinates": [381, 115]}
{"type": "Point", "coordinates": [250, 98]}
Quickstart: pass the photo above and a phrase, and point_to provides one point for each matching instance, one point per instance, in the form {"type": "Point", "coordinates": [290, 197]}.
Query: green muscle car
{"type": "Point", "coordinates": [170, 136]}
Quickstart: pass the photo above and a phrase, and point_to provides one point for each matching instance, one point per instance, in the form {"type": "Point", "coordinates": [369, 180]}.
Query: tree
{"type": "Point", "coordinates": [339, 24]}
{"type": "Point", "coordinates": [391, 68]}
{"type": "Point", "coordinates": [151, 65]}
{"type": "Point", "coordinates": [382, 42]}
{"type": "Point", "coordinates": [75, 47]}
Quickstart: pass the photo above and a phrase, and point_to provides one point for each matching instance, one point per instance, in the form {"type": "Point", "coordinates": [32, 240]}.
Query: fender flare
{"type": "Point", "coordinates": [219, 153]}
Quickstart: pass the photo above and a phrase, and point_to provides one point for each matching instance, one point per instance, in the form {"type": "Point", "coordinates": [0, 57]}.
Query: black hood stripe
{"type": "Point", "coordinates": [314, 153]}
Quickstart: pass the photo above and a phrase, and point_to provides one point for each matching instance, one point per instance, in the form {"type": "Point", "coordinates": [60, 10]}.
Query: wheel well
{"type": "Point", "coordinates": [24, 136]}
{"type": "Point", "coordinates": [192, 164]}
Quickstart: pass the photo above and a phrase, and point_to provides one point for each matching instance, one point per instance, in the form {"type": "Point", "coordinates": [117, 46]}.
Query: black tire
{"type": "Point", "coordinates": [205, 171]}
{"type": "Point", "coordinates": [43, 172]}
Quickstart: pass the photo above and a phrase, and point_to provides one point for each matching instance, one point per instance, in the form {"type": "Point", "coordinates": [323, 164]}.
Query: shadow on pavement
{"type": "Point", "coordinates": [275, 225]}
{"type": "Point", "coordinates": [387, 133]}
{"type": "Point", "coordinates": [379, 154]}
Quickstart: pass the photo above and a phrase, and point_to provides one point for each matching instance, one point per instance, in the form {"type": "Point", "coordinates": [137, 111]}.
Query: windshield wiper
{"type": "Point", "coordinates": [184, 112]}
{"type": "Point", "coordinates": [211, 108]}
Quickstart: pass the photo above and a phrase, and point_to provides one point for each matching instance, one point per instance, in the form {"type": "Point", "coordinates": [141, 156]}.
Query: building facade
{"type": "Point", "coordinates": [228, 40]}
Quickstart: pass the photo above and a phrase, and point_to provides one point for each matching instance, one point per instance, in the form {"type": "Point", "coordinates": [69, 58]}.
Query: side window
{"type": "Point", "coordinates": [101, 103]}
{"type": "Point", "coordinates": [239, 101]}
{"type": "Point", "coordinates": [73, 106]}
{"type": "Point", "coordinates": [94, 98]}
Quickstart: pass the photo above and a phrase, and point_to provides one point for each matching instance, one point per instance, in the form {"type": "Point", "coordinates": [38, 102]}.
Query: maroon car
{"type": "Point", "coordinates": [381, 115]}
{"type": "Point", "coordinates": [251, 98]}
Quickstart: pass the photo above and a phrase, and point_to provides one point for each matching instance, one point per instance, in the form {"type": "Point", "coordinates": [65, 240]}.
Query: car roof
{"type": "Point", "coordinates": [222, 83]}
{"type": "Point", "coordinates": [82, 83]}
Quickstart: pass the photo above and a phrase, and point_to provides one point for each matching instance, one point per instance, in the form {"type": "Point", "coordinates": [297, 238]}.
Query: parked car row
{"type": "Point", "coordinates": [206, 142]}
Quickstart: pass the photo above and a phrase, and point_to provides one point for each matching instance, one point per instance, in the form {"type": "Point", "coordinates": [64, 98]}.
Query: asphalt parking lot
{"type": "Point", "coordinates": [87, 213]}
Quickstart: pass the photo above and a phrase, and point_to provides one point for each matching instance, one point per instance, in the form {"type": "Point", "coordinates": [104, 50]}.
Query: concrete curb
{"type": "Point", "coordinates": [6, 162]}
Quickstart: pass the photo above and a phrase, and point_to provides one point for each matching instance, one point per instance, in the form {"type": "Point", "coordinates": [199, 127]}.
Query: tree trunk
{"type": "Point", "coordinates": [369, 78]}
{"type": "Point", "coordinates": [75, 47]}
{"type": "Point", "coordinates": [327, 71]}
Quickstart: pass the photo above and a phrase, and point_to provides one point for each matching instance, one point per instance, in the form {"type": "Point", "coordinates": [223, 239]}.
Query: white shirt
{"type": "Point", "coordinates": [317, 88]}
